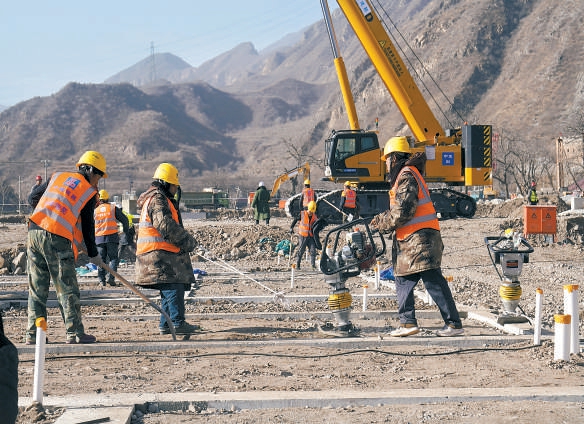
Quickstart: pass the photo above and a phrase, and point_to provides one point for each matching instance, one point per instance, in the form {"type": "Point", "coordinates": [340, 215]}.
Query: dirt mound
{"type": "Point", "coordinates": [231, 242]}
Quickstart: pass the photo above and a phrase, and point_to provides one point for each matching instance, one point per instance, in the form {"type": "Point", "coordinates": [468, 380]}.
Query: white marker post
{"type": "Point", "coordinates": [365, 287]}
{"type": "Point", "coordinates": [292, 268]}
{"type": "Point", "coordinates": [571, 308]}
{"type": "Point", "coordinates": [537, 322]}
{"type": "Point", "coordinates": [562, 337]}
{"type": "Point", "coordinates": [39, 360]}
{"type": "Point", "coordinates": [377, 275]}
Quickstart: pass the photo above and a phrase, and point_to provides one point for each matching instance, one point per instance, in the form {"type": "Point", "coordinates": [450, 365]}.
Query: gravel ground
{"type": "Point", "coordinates": [249, 248]}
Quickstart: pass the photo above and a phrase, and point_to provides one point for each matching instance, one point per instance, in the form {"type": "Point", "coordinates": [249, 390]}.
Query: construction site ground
{"type": "Point", "coordinates": [262, 358]}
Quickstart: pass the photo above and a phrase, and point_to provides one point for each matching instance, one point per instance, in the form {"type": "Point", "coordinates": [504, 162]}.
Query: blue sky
{"type": "Point", "coordinates": [46, 44]}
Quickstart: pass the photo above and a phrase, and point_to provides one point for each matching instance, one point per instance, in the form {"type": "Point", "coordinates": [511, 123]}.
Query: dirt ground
{"type": "Point", "coordinates": [272, 367]}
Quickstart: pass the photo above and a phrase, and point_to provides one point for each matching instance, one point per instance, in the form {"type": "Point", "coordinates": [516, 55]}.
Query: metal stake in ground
{"type": "Point", "coordinates": [142, 296]}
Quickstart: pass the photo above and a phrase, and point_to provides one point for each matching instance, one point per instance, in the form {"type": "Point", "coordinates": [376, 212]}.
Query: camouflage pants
{"type": "Point", "coordinates": [51, 257]}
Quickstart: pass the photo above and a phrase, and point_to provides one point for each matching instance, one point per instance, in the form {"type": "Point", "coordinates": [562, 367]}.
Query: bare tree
{"type": "Point", "coordinates": [8, 194]}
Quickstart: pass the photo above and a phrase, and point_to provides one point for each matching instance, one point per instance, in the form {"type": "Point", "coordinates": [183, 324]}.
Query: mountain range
{"type": "Point", "coordinates": [246, 116]}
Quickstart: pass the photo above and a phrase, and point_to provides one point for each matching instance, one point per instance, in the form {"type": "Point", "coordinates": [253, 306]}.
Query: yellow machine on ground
{"type": "Point", "coordinates": [456, 157]}
{"type": "Point", "coordinates": [305, 169]}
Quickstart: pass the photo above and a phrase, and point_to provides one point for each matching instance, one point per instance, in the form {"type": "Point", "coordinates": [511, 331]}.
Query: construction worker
{"type": "Point", "coordinates": [308, 195]}
{"type": "Point", "coordinates": [308, 220]}
{"type": "Point", "coordinates": [417, 243]}
{"type": "Point", "coordinates": [127, 237]}
{"type": "Point", "coordinates": [349, 204]}
{"type": "Point", "coordinates": [532, 196]}
{"type": "Point", "coordinates": [60, 222]}
{"type": "Point", "coordinates": [107, 215]}
{"type": "Point", "coordinates": [162, 249]}
{"type": "Point", "coordinates": [36, 191]}
{"type": "Point", "coordinates": [37, 182]}
{"type": "Point", "coordinates": [260, 204]}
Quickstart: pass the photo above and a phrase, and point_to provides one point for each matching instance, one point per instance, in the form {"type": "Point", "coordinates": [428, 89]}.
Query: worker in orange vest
{"type": "Point", "coordinates": [61, 221]}
{"type": "Point", "coordinates": [308, 220]}
{"type": "Point", "coordinates": [107, 215]}
{"type": "Point", "coordinates": [349, 204]}
{"type": "Point", "coordinates": [417, 243]}
{"type": "Point", "coordinates": [162, 249]}
{"type": "Point", "coordinates": [308, 195]}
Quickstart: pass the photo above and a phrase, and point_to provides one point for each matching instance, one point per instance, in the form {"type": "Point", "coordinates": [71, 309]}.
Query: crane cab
{"type": "Point", "coordinates": [354, 155]}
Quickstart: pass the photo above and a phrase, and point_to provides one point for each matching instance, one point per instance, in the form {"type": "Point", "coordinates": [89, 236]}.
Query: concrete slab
{"type": "Point", "coordinates": [97, 414]}
{"type": "Point", "coordinates": [430, 341]}
{"type": "Point", "coordinates": [313, 399]}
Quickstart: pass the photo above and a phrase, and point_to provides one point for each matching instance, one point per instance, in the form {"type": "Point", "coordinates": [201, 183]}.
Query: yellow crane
{"type": "Point", "coordinates": [456, 157]}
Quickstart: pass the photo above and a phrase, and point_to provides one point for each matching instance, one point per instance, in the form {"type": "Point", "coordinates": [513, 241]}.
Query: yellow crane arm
{"type": "Point", "coordinates": [392, 70]}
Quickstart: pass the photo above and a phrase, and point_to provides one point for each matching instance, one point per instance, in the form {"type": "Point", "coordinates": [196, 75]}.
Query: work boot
{"type": "Point", "coordinates": [112, 283]}
{"type": "Point", "coordinates": [405, 330]}
{"type": "Point", "coordinates": [166, 330]}
{"type": "Point", "coordinates": [450, 331]}
{"type": "Point", "coordinates": [32, 340]}
{"type": "Point", "coordinates": [102, 283]}
{"type": "Point", "coordinates": [82, 339]}
{"type": "Point", "coordinates": [186, 328]}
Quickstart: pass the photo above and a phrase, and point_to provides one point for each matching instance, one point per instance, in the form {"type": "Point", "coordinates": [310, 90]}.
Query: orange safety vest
{"type": "Point", "coordinates": [105, 220]}
{"type": "Point", "coordinates": [308, 196]}
{"type": "Point", "coordinates": [350, 198]}
{"type": "Point", "coordinates": [425, 216]}
{"type": "Point", "coordinates": [149, 238]}
{"type": "Point", "coordinates": [306, 223]}
{"type": "Point", "coordinates": [59, 209]}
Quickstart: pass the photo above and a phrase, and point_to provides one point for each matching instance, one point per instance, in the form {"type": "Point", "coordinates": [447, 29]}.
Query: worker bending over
{"type": "Point", "coordinates": [61, 221]}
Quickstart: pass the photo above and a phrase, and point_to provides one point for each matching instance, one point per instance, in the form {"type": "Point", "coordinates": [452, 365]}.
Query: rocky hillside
{"type": "Point", "coordinates": [248, 115]}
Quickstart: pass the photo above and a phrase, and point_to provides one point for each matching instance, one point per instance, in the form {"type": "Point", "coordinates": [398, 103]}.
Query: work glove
{"type": "Point", "coordinates": [97, 261]}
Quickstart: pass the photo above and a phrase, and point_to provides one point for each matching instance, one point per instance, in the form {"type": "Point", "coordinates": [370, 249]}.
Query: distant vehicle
{"type": "Point", "coordinates": [209, 198]}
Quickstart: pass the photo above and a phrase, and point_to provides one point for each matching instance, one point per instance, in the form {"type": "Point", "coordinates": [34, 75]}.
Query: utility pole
{"type": "Point", "coordinates": [46, 162]}
{"type": "Point", "coordinates": [559, 163]}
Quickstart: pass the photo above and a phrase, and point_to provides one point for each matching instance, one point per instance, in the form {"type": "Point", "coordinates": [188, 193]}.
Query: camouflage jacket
{"type": "Point", "coordinates": [420, 251]}
{"type": "Point", "coordinates": [160, 266]}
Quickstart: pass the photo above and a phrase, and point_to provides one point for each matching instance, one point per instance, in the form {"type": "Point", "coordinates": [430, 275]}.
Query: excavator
{"type": "Point", "coordinates": [304, 168]}
{"type": "Point", "coordinates": [456, 157]}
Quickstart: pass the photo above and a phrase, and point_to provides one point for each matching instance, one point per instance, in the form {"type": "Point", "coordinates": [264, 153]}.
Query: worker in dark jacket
{"type": "Point", "coordinates": [417, 244]}
{"type": "Point", "coordinates": [8, 378]}
{"type": "Point", "coordinates": [162, 248]}
{"type": "Point", "coordinates": [107, 215]}
{"type": "Point", "coordinates": [261, 205]}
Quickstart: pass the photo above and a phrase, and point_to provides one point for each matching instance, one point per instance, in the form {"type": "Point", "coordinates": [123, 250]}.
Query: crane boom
{"type": "Point", "coordinates": [392, 70]}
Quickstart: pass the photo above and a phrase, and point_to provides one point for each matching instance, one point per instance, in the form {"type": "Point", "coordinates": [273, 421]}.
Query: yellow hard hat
{"type": "Point", "coordinates": [103, 195]}
{"type": "Point", "coordinates": [307, 182]}
{"type": "Point", "coordinates": [166, 172]}
{"type": "Point", "coordinates": [94, 159]}
{"type": "Point", "coordinates": [311, 206]}
{"type": "Point", "coordinates": [396, 144]}
{"type": "Point", "coordinates": [347, 183]}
